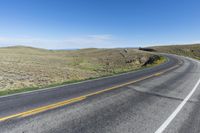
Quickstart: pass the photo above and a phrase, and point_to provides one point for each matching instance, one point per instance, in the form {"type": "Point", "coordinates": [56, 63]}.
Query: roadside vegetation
{"type": "Point", "coordinates": [185, 50]}
{"type": "Point", "coordinates": [27, 68]}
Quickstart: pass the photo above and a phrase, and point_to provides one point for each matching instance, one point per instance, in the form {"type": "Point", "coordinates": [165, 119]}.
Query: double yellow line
{"type": "Point", "coordinates": [80, 98]}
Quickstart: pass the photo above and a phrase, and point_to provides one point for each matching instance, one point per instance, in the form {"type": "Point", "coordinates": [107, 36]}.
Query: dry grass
{"type": "Point", "coordinates": [186, 50]}
{"type": "Point", "coordinates": [22, 67]}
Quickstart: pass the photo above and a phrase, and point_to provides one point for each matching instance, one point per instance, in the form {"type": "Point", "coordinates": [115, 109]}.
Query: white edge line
{"type": "Point", "coordinates": [85, 81]}
{"type": "Point", "coordinates": [180, 106]}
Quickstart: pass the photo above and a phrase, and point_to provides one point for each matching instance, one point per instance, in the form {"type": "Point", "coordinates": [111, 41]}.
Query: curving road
{"type": "Point", "coordinates": [164, 98]}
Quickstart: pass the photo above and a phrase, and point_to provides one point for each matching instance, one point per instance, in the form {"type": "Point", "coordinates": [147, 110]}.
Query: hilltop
{"type": "Point", "coordinates": [192, 50]}
{"type": "Point", "coordinates": [26, 67]}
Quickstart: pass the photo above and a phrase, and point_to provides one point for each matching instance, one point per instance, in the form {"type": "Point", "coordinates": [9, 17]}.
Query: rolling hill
{"type": "Point", "coordinates": [186, 50]}
{"type": "Point", "coordinates": [30, 68]}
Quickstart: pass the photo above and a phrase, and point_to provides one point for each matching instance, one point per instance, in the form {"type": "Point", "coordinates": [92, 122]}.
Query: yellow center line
{"type": "Point", "coordinates": [77, 99]}
{"type": "Point", "coordinates": [43, 108]}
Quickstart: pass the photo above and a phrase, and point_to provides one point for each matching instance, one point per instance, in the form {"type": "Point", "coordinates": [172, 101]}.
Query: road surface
{"type": "Point", "coordinates": [164, 98]}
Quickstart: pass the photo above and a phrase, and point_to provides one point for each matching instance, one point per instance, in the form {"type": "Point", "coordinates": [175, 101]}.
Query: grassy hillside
{"type": "Point", "coordinates": [186, 50]}
{"type": "Point", "coordinates": [26, 67]}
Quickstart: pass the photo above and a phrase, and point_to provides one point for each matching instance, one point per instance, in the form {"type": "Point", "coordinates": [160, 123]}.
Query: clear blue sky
{"type": "Point", "coordinates": [58, 24]}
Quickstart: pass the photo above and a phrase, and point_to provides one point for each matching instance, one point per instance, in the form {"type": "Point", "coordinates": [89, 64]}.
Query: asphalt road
{"type": "Point", "coordinates": [164, 98]}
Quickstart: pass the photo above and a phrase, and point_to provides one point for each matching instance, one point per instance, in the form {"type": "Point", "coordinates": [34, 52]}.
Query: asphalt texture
{"type": "Point", "coordinates": [141, 107]}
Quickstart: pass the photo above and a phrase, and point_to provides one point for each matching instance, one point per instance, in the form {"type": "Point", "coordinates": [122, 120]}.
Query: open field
{"type": "Point", "coordinates": [26, 67]}
{"type": "Point", "coordinates": [186, 50]}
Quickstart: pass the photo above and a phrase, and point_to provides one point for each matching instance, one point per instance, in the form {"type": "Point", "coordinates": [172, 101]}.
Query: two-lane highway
{"type": "Point", "coordinates": [164, 98]}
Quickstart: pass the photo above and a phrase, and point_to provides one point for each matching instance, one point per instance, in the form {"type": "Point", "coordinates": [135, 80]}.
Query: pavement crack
{"type": "Point", "coordinates": [162, 96]}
